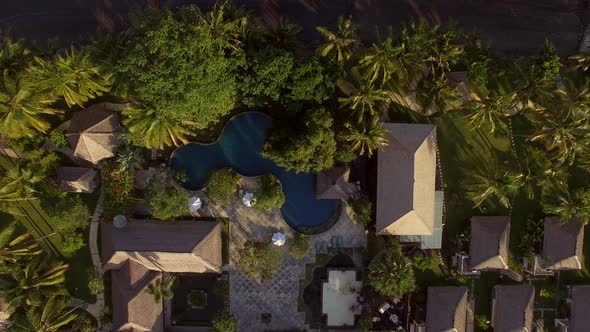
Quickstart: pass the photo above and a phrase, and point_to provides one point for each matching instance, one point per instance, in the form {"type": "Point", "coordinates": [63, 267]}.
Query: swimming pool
{"type": "Point", "coordinates": [240, 147]}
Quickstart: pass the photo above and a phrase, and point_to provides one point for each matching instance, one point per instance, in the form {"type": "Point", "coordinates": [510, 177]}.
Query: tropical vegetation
{"type": "Point", "coordinates": [222, 183]}
{"type": "Point", "coordinates": [260, 260]}
{"type": "Point", "coordinates": [270, 193]}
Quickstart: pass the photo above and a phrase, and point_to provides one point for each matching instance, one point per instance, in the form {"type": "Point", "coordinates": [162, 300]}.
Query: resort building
{"type": "Point", "coordinates": [446, 309]}
{"type": "Point", "coordinates": [77, 179]}
{"type": "Point", "coordinates": [562, 247]}
{"type": "Point", "coordinates": [93, 134]}
{"type": "Point", "coordinates": [488, 247]}
{"type": "Point", "coordinates": [339, 297]}
{"type": "Point", "coordinates": [406, 179]}
{"type": "Point", "coordinates": [579, 302]}
{"type": "Point", "coordinates": [143, 251]}
{"type": "Point", "coordinates": [512, 308]}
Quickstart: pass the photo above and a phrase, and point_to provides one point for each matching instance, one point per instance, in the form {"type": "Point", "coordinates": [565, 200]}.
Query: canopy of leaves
{"type": "Point", "coordinates": [260, 260]}
{"type": "Point", "coordinates": [70, 218]}
{"type": "Point", "coordinates": [166, 202]}
{"type": "Point", "coordinates": [565, 203]}
{"type": "Point", "coordinates": [270, 194]}
{"type": "Point", "coordinates": [362, 209]}
{"type": "Point", "coordinates": [391, 273]}
{"type": "Point", "coordinates": [185, 64]}
{"type": "Point", "coordinates": [224, 322]}
{"type": "Point", "coordinates": [300, 246]}
{"type": "Point", "coordinates": [222, 183]}
{"type": "Point", "coordinates": [307, 145]}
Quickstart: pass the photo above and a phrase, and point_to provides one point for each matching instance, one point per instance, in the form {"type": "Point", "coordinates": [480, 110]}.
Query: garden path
{"type": "Point", "coordinates": [249, 299]}
{"type": "Point", "coordinates": [95, 309]}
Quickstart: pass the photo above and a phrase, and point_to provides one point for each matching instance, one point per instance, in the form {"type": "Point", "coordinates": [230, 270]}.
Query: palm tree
{"type": "Point", "coordinates": [340, 45]}
{"type": "Point", "coordinates": [580, 61]}
{"type": "Point", "coordinates": [444, 50]}
{"type": "Point", "coordinates": [29, 280]}
{"type": "Point", "coordinates": [566, 204]}
{"type": "Point", "coordinates": [22, 106]}
{"type": "Point", "coordinates": [436, 95]}
{"type": "Point", "coordinates": [382, 61]}
{"type": "Point", "coordinates": [392, 273]}
{"type": "Point", "coordinates": [161, 289]}
{"type": "Point", "coordinates": [491, 182]}
{"type": "Point", "coordinates": [14, 56]}
{"type": "Point", "coordinates": [226, 26]}
{"type": "Point", "coordinates": [52, 316]}
{"type": "Point", "coordinates": [129, 160]}
{"type": "Point", "coordinates": [489, 108]}
{"type": "Point", "coordinates": [13, 249]}
{"type": "Point", "coordinates": [361, 94]}
{"type": "Point", "coordinates": [367, 138]}
{"type": "Point", "coordinates": [73, 76]}
{"type": "Point", "coordinates": [154, 128]}
{"type": "Point", "coordinates": [18, 185]}
{"type": "Point", "coordinates": [540, 171]}
{"type": "Point", "coordinates": [283, 34]}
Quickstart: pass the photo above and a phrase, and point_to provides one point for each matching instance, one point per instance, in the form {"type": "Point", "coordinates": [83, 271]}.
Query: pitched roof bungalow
{"type": "Point", "coordinates": [333, 184]}
{"type": "Point", "coordinates": [512, 308]}
{"type": "Point", "coordinates": [488, 248]}
{"type": "Point", "coordinates": [406, 173]}
{"type": "Point", "coordinates": [562, 245]}
{"type": "Point", "coordinates": [447, 309]}
{"type": "Point", "coordinates": [580, 307]}
{"type": "Point", "coordinates": [93, 134]}
{"type": "Point", "coordinates": [77, 179]}
{"type": "Point", "coordinates": [141, 251]}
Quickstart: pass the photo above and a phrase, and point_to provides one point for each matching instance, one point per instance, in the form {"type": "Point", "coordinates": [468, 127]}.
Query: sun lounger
{"type": "Point", "coordinates": [318, 247]}
{"type": "Point", "coordinates": [324, 247]}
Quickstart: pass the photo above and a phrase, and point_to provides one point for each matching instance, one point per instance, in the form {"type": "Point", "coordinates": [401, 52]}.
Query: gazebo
{"type": "Point", "coordinates": [333, 184]}
{"type": "Point", "coordinates": [77, 179]}
{"type": "Point", "coordinates": [93, 134]}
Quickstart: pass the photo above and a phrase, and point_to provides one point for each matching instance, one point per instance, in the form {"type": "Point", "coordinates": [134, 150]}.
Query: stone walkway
{"type": "Point", "coordinates": [249, 299]}
{"type": "Point", "coordinates": [95, 309]}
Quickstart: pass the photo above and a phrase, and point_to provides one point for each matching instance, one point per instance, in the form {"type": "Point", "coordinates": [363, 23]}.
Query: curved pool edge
{"type": "Point", "coordinates": [305, 230]}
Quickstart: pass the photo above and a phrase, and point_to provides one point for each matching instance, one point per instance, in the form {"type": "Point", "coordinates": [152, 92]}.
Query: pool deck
{"type": "Point", "coordinates": [278, 296]}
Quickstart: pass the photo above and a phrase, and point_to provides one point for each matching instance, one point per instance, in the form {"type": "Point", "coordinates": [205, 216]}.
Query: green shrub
{"type": "Point", "coordinates": [222, 183]}
{"type": "Point", "coordinates": [427, 263]}
{"type": "Point", "coordinates": [119, 189]}
{"type": "Point", "coordinates": [300, 247]}
{"type": "Point", "coordinates": [270, 195]}
{"type": "Point", "coordinates": [95, 282]}
{"type": "Point", "coordinates": [260, 260]}
{"type": "Point", "coordinates": [70, 218]}
{"type": "Point", "coordinates": [58, 138]}
{"type": "Point", "coordinates": [166, 202]}
{"type": "Point", "coordinates": [84, 323]}
{"type": "Point", "coordinates": [362, 209]}
{"type": "Point", "coordinates": [225, 322]}
{"type": "Point", "coordinates": [391, 273]}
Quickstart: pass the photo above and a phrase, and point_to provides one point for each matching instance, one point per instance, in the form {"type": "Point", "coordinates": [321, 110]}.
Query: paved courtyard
{"type": "Point", "coordinates": [278, 297]}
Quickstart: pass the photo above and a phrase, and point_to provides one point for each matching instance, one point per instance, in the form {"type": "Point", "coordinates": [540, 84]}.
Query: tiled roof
{"type": "Point", "coordinates": [446, 309]}
{"type": "Point", "coordinates": [562, 244]}
{"type": "Point", "coordinates": [489, 242]}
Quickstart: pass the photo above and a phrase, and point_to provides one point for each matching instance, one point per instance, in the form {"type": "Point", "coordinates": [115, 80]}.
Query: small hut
{"type": "Point", "coordinates": [333, 184]}
{"type": "Point", "coordinates": [93, 134]}
{"type": "Point", "coordinates": [77, 179]}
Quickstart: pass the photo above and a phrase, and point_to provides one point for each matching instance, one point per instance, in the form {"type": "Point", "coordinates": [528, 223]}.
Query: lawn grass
{"type": "Point", "coordinates": [77, 275]}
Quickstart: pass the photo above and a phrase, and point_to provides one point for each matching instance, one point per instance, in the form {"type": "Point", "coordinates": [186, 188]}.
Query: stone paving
{"type": "Point", "coordinates": [249, 299]}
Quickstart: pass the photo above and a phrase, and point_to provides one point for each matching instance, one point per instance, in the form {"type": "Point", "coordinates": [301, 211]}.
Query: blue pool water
{"type": "Point", "coordinates": [239, 147]}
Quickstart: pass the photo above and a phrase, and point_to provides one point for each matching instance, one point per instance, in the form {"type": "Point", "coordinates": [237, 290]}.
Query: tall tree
{"type": "Point", "coordinates": [152, 128]}
{"type": "Point", "coordinates": [368, 137]}
{"type": "Point", "coordinates": [340, 45]}
{"type": "Point", "coordinates": [14, 247]}
{"type": "Point", "coordinates": [391, 273]}
{"type": "Point", "coordinates": [23, 107]}
{"type": "Point", "coordinates": [14, 56]}
{"type": "Point", "coordinates": [283, 34]}
{"type": "Point", "coordinates": [73, 75]}
{"type": "Point", "coordinates": [361, 95]}
{"type": "Point", "coordinates": [490, 181]}
{"type": "Point", "coordinates": [18, 185]}
{"type": "Point", "coordinates": [566, 204]}
{"type": "Point", "coordinates": [489, 108]}
{"type": "Point", "coordinates": [161, 289]}
{"type": "Point", "coordinates": [52, 316]}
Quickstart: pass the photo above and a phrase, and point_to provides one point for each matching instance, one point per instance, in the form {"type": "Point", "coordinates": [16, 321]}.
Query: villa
{"type": "Point", "coordinates": [579, 301]}
{"type": "Point", "coordinates": [447, 309]}
{"type": "Point", "coordinates": [562, 247]}
{"type": "Point", "coordinates": [406, 176]}
{"type": "Point", "coordinates": [512, 308]}
{"type": "Point", "coordinates": [143, 251]}
{"type": "Point", "coordinates": [488, 249]}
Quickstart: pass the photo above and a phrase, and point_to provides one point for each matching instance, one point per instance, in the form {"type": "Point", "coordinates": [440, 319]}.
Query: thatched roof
{"type": "Point", "coordinates": [513, 308]}
{"type": "Point", "coordinates": [489, 242]}
{"type": "Point", "coordinates": [92, 134]}
{"type": "Point", "coordinates": [446, 309]}
{"type": "Point", "coordinates": [562, 244]}
{"type": "Point", "coordinates": [167, 246]}
{"type": "Point", "coordinates": [333, 184]}
{"type": "Point", "coordinates": [77, 179]}
{"type": "Point", "coordinates": [580, 309]}
{"type": "Point", "coordinates": [406, 173]}
{"type": "Point", "coordinates": [134, 309]}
